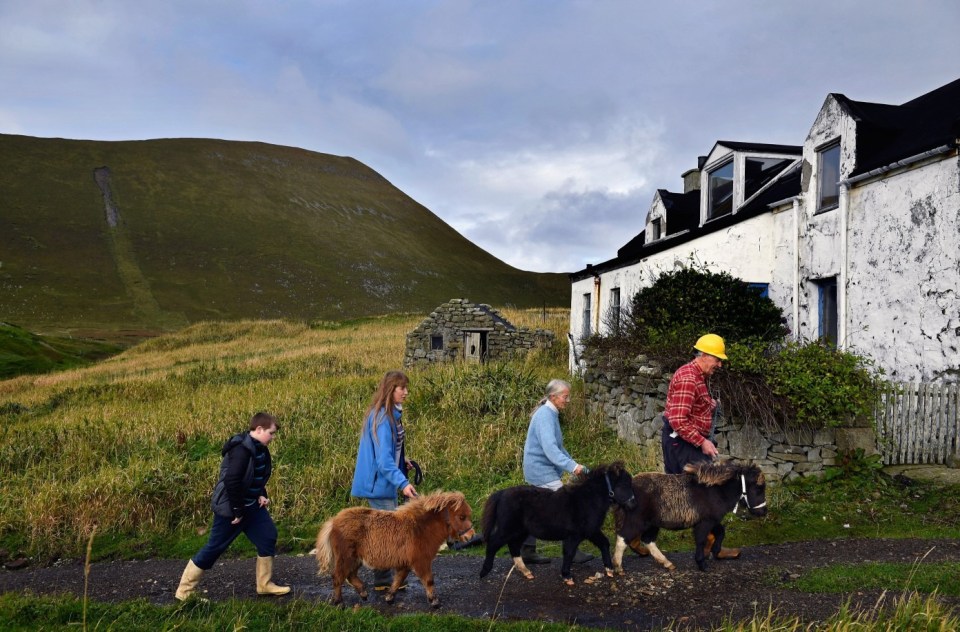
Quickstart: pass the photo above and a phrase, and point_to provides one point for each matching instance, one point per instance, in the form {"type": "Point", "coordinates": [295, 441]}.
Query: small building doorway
{"type": "Point", "coordinates": [475, 346]}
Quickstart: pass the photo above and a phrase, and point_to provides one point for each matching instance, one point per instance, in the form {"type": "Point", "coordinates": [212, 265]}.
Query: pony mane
{"type": "Point", "coordinates": [434, 501]}
{"type": "Point", "coordinates": [712, 474]}
{"type": "Point", "coordinates": [614, 469]}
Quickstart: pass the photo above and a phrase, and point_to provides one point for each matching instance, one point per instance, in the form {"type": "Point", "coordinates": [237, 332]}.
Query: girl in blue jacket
{"type": "Point", "coordinates": [381, 459]}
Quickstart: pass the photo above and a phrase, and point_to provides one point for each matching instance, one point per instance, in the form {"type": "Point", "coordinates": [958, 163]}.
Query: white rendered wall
{"type": "Point", "coordinates": [745, 250]}
{"type": "Point", "coordinates": [903, 307]}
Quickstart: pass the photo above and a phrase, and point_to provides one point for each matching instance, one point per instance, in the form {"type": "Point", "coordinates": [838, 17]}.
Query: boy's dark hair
{"type": "Point", "coordinates": [266, 420]}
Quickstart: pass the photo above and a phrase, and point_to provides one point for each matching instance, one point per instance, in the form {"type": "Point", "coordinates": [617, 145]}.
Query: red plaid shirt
{"type": "Point", "coordinates": [689, 405]}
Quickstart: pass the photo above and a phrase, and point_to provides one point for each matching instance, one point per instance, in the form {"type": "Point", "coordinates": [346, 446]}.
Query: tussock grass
{"type": "Point", "coordinates": [909, 612]}
{"type": "Point", "coordinates": [23, 613]}
{"type": "Point", "coordinates": [131, 445]}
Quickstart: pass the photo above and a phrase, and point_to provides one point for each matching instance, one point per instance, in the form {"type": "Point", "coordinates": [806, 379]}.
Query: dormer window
{"type": "Point", "coordinates": [721, 191]}
{"type": "Point", "coordinates": [656, 228]}
{"type": "Point", "coordinates": [828, 177]}
{"type": "Point", "coordinates": [760, 171]}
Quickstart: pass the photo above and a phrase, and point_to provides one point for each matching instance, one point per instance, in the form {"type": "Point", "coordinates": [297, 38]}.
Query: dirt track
{"type": "Point", "coordinates": [645, 597]}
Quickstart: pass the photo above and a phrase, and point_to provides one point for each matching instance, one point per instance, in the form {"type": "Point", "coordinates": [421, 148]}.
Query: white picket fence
{"type": "Point", "coordinates": [919, 423]}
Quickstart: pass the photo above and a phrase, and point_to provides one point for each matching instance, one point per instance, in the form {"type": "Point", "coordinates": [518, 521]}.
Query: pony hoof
{"type": "Point", "coordinates": [610, 572]}
{"type": "Point", "coordinates": [389, 598]}
{"type": "Point", "coordinates": [618, 570]}
{"type": "Point", "coordinates": [364, 595]}
{"type": "Point", "coordinates": [569, 581]}
{"type": "Point", "coordinates": [434, 603]}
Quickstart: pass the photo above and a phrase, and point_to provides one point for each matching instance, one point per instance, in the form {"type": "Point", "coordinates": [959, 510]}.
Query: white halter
{"type": "Point", "coordinates": [743, 496]}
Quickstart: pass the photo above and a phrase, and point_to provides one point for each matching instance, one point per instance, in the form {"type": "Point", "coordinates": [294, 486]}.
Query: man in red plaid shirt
{"type": "Point", "coordinates": [688, 417]}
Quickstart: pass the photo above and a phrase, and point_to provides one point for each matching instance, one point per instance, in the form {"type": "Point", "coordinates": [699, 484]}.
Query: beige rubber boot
{"type": "Point", "coordinates": [188, 582]}
{"type": "Point", "coordinates": [264, 573]}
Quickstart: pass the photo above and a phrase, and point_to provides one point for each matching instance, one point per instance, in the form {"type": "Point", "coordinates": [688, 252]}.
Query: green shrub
{"type": "Point", "coordinates": [766, 381]}
{"type": "Point", "coordinates": [690, 300]}
{"type": "Point", "coordinates": [827, 387]}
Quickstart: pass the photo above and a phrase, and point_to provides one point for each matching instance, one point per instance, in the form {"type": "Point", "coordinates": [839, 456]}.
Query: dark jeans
{"type": "Point", "coordinates": [381, 576]}
{"type": "Point", "coordinates": [257, 525]}
{"type": "Point", "coordinates": [678, 452]}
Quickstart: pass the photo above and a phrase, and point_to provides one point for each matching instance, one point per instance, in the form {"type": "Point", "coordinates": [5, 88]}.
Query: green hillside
{"type": "Point", "coordinates": [23, 352]}
{"type": "Point", "coordinates": [98, 237]}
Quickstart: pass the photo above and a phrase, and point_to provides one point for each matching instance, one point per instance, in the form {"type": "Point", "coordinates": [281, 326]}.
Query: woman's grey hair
{"type": "Point", "coordinates": [554, 387]}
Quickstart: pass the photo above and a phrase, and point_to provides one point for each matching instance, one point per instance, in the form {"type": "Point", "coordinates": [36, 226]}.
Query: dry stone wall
{"type": "Point", "coordinates": [632, 398]}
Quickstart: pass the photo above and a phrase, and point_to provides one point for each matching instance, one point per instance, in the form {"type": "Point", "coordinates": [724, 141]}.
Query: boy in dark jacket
{"type": "Point", "coordinates": [240, 506]}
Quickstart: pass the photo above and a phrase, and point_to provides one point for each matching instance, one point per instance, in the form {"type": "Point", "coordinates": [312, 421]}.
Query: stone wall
{"type": "Point", "coordinates": [632, 399]}
{"type": "Point", "coordinates": [457, 316]}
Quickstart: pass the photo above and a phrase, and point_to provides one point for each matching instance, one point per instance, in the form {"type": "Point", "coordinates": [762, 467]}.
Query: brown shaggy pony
{"type": "Point", "coordinates": [405, 539]}
{"type": "Point", "coordinates": [699, 498]}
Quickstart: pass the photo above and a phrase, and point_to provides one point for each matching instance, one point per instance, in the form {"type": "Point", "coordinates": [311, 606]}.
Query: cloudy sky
{"type": "Point", "coordinates": [540, 129]}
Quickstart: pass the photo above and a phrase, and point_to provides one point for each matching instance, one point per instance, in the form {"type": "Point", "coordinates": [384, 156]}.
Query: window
{"type": "Point", "coordinates": [828, 316]}
{"type": "Point", "coordinates": [655, 229]}
{"type": "Point", "coordinates": [763, 289]}
{"type": "Point", "coordinates": [436, 343]}
{"type": "Point", "coordinates": [721, 191]}
{"type": "Point", "coordinates": [760, 171]}
{"type": "Point", "coordinates": [586, 316]}
{"type": "Point", "coordinates": [828, 177]}
{"type": "Point", "coordinates": [615, 309]}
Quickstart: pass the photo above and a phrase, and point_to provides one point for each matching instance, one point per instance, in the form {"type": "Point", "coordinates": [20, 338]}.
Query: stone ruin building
{"type": "Point", "coordinates": [471, 332]}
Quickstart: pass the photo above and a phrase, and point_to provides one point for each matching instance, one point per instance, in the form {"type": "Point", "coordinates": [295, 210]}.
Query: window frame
{"type": "Point", "coordinates": [828, 311]}
{"type": "Point", "coordinates": [656, 228]}
{"type": "Point", "coordinates": [710, 189]}
{"type": "Point", "coordinates": [763, 289]}
{"type": "Point", "coordinates": [821, 153]}
{"type": "Point", "coordinates": [587, 308]}
{"type": "Point", "coordinates": [615, 308]}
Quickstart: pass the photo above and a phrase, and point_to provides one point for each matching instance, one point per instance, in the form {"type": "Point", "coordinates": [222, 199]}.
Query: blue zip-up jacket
{"type": "Point", "coordinates": [544, 457]}
{"type": "Point", "coordinates": [377, 474]}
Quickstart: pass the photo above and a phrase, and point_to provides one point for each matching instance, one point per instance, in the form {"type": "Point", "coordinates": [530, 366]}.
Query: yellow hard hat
{"type": "Point", "coordinates": [712, 344]}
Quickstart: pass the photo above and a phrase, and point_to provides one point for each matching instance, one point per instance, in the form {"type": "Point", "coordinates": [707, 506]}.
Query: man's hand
{"type": "Point", "coordinates": [709, 449]}
{"type": "Point", "coordinates": [409, 491]}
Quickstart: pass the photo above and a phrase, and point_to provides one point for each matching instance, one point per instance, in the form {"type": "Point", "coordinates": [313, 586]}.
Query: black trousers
{"type": "Point", "coordinates": [678, 452]}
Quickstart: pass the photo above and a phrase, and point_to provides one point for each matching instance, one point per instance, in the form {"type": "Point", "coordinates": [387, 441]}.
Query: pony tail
{"type": "Point", "coordinates": [324, 553]}
{"type": "Point", "coordinates": [490, 515]}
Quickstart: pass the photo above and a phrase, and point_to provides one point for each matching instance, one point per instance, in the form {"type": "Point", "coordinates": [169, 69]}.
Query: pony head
{"type": "Point", "coordinates": [749, 477]}
{"type": "Point", "coordinates": [616, 481]}
{"type": "Point", "coordinates": [455, 509]}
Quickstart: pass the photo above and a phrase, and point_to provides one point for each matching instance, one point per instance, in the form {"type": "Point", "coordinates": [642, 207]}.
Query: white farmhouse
{"type": "Point", "coordinates": [855, 234]}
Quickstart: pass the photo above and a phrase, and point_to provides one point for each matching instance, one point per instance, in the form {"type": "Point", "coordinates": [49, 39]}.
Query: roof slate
{"type": "Point", "coordinates": [888, 133]}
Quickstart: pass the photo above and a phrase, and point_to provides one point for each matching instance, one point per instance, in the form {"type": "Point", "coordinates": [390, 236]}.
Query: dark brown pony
{"type": "Point", "coordinates": [699, 498]}
{"type": "Point", "coordinates": [404, 540]}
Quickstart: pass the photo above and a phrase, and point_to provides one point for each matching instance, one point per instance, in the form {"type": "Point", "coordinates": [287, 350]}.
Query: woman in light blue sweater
{"type": "Point", "coordinates": [545, 459]}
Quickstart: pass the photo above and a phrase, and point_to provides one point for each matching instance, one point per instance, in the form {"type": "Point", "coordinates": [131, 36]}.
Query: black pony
{"type": "Point", "coordinates": [572, 513]}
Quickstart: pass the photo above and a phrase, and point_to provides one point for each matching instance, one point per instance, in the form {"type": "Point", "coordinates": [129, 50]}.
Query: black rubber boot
{"type": "Point", "coordinates": [580, 557]}
{"type": "Point", "coordinates": [529, 555]}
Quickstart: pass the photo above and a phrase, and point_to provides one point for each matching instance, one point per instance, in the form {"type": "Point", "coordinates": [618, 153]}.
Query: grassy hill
{"type": "Point", "coordinates": [101, 237]}
{"type": "Point", "coordinates": [24, 352]}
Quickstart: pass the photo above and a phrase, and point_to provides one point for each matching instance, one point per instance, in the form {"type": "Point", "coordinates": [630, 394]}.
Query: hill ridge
{"type": "Point", "coordinates": [155, 234]}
